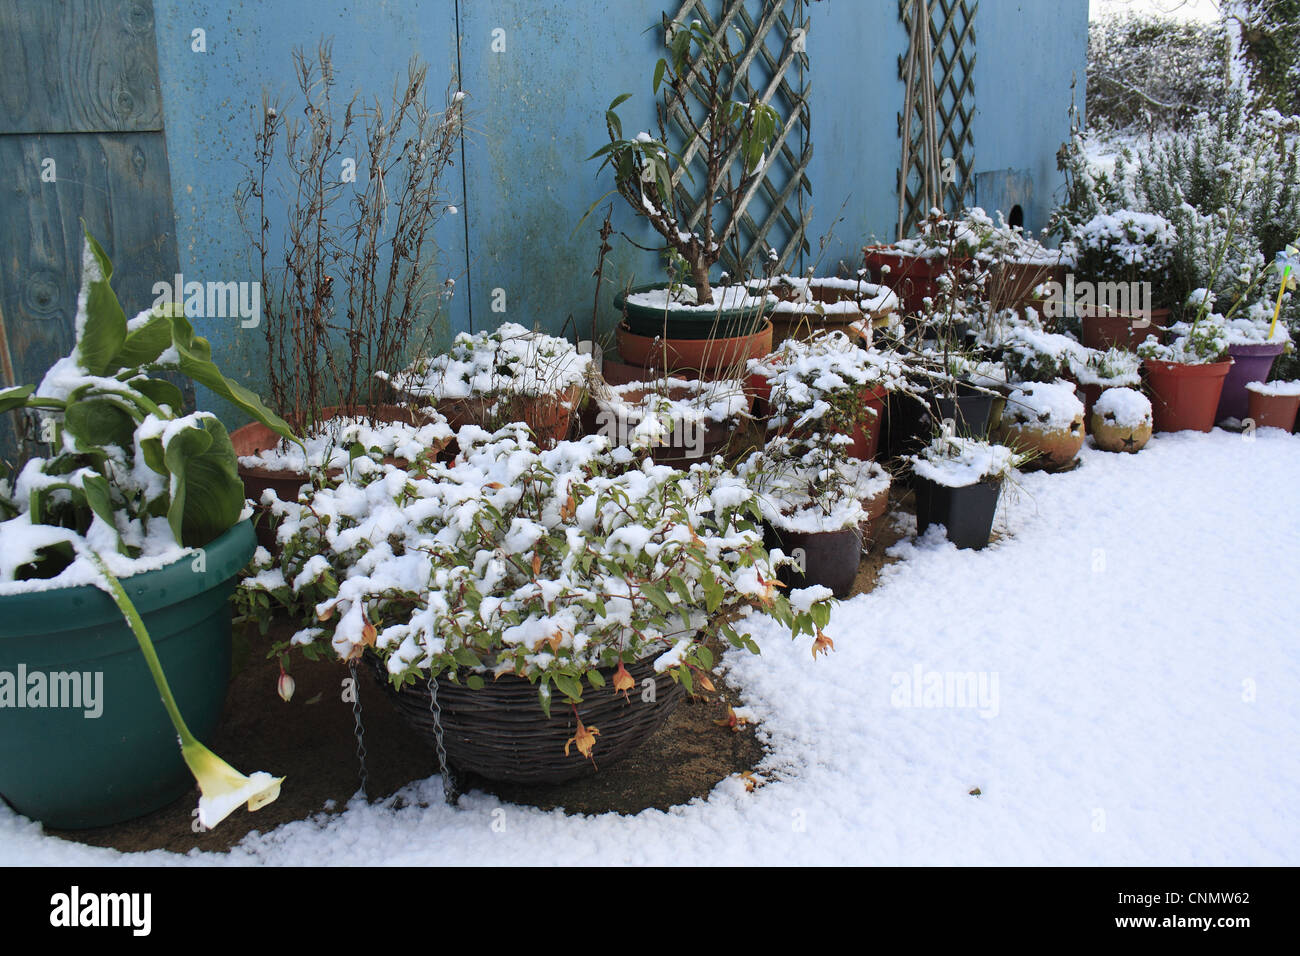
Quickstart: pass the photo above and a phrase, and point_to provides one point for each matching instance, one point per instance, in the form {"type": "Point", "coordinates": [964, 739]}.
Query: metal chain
{"type": "Point", "coordinates": [359, 729]}
{"type": "Point", "coordinates": [450, 790]}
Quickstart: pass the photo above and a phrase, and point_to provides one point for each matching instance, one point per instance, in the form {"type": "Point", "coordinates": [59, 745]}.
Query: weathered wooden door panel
{"type": "Point", "coordinates": [78, 66]}
{"type": "Point", "coordinates": [80, 139]}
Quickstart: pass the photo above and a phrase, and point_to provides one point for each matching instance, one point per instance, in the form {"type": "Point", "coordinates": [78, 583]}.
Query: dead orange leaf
{"type": "Point", "coordinates": [584, 740]}
{"type": "Point", "coordinates": [623, 681]}
{"type": "Point", "coordinates": [823, 644]}
{"type": "Point", "coordinates": [368, 633]}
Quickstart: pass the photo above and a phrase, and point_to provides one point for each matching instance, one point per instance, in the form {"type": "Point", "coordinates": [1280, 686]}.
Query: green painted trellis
{"type": "Point", "coordinates": [784, 185]}
{"type": "Point", "coordinates": [936, 125]}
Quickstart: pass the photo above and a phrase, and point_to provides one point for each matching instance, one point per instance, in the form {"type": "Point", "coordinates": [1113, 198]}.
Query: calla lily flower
{"type": "Point", "coordinates": [222, 788]}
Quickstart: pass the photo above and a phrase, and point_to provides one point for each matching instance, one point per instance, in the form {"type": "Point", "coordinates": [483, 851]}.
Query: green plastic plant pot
{"type": "Point", "coordinates": [71, 770]}
{"type": "Point", "coordinates": [689, 324]}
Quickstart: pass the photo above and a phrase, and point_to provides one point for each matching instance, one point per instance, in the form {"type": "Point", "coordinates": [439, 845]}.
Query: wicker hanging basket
{"type": "Point", "coordinates": [501, 732]}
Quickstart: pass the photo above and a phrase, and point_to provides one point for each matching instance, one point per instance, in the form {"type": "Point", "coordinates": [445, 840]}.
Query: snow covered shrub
{"type": "Point", "coordinates": [128, 476]}
{"type": "Point", "coordinates": [548, 565]}
{"type": "Point", "coordinates": [1202, 343]}
{"type": "Point", "coordinates": [1149, 73]}
{"type": "Point", "coordinates": [1113, 367]}
{"type": "Point", "coordinates": [799, 489]}
{"type": "Point", "coordinates": [502, 368]}
{"type": "Point", "coordinates": [1123, 246]}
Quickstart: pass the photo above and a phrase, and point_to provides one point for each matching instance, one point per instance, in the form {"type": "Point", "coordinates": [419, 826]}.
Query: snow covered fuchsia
{"type": "Point", "coordinates": [545, 565]}
{"type": "Point", "coordinates": [132, 488]}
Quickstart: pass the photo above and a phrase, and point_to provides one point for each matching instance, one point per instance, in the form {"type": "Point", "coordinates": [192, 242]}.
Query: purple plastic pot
{"type": "Point", "coordinates": [1251, 363]}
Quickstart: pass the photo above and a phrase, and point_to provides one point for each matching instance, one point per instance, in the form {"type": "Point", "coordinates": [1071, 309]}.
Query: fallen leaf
{"type": "Point", "coordinates": [750, 780]}
{"type": "Point", "coordinates": [731, 720]}
{"type": "Point", "coordinates": [704, 681]}
{"type": "Point", "coordinates": [975, 792]}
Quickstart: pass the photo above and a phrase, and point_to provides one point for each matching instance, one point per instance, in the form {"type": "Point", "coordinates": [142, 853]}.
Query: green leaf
{"type": "Point", "coordinates": [16, 397]}
{"type": "Point", "coordinates": [98, 422]}
{"type": "Point", "coordinates": [206, 493]}
{"type": "Point", "coordinates": [660, 67]}
{"type": "Point", "coordinates": [196, 362]}
{"type": "Point", "coordinates": [619, 100]}
{"type": "Point", "coordinates": [474, 682]}
{"type": "Point", "coordinates": [145, 343]}
{"type": "Point", "coordinates": [595, 678]}
{"type": "Point", "coordinates": [161, 392]}
{"type": "Point", "coordinates": [465, 657]}
{"type": "Point", "coordinates": [571, 687]}
{"type": "Point", "coordinates": [104, 330]}
{"type": "Point", "coordinates": [657, 596]}
{"type": "Point", "coordinates": [101, 502]}
{"type": "Point", "coordinates": [706, 657]}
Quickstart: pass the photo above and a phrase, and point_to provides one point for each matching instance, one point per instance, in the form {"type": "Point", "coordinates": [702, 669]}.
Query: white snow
{"type": "Point", "coordinates": [1274, 388]}
{"type": "Point", "coordinates": [1125, 407]}
{"type": "Point", "coordinates": [1051, 405]}
{"type": "Point", "coordinates": [1134, 636]}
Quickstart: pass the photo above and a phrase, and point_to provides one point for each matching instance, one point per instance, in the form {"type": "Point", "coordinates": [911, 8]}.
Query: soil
{"type": "Point", "coordinates": [310, 740]}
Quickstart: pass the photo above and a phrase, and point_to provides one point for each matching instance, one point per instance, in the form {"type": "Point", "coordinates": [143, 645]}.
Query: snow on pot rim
{"type": "Point", "coordinates": [1125, 407]}
{"type": "Point", "coordinates": [1257, 330]}
{"type": "Point", "coordinates": [955, 462]}
{"type": "Point", "coordinates": [1050, 406]}
{"type": "Point", "coordinates": [781, 490]}
{"type": "Point", "coordinates": [1124, 369]}
{"type": "Point", "coordinates": [695, 400]}
{"type": "Point", "coordinates": [1275, 389]}
{"type": "Point", "coordinates": [725, 298]}
{"type": "Point", "coordinates": [861, 295]}
{"type": "Point", "coordinates": [510, 361]}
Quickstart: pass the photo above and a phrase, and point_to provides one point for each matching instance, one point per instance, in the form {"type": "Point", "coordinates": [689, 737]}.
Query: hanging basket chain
{"type": "Point", "coordinates": [450, 788]}
{"type": "Point", "coordinates": [359, 729]}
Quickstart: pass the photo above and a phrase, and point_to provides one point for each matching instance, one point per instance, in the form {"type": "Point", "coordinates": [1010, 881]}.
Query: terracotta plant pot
{"type": "Point", "coordinates": [688, 358]}
{"type": "Point", "coordinates": [1272, 411]}
{"type": "Point", "coordinates": [965, 512]}
{"type": "Point", "coordinates": [1250, 363]}
{"type": "Point", "coordinates": [1109, 436]}
{"type": "Point", "coordinates": [1185, 397]}
{"type": "Point", "coordinates": [912, 278]}
{"type": "Point", "coordinates": [802, 320]}
{"type": "Point", "coordinates": [681, 450]}
{"type": "Point", "coordinates": [1011, 285]}
{"type": "Point", "coordinates": [828, 558]}
{"type": "Point", "coordinates": [876, 508]}
{"type": "Point", "coordinates": [1126, 330]}
{"type": "Point", "coordinates": [866, 436]}
{"type": "Point", "coordinates": [255, 438]}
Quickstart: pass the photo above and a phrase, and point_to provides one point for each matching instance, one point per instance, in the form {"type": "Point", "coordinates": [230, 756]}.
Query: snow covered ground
{"type": "Point", "coordinates": [1136, 635]}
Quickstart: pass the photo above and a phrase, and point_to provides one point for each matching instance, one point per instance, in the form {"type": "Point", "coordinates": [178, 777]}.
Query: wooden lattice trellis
{"type": "Point", "coordinates": [938, 113]}
{"type": "Point", "coordinates": [760, 76]}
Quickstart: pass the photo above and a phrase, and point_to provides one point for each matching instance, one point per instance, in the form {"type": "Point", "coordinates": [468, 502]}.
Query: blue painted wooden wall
{"type": "Point", "coordinates": [535, 113]}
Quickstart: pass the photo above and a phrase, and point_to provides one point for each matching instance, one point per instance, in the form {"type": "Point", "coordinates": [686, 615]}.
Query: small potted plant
{"type": "Point", "coordinates": [132, 523]}
{"type": "Point", "coordinates": [1099, 371]}
{"type": "Point", "coordinates": [816, 504]}
{"type": "Point", "coordinates": [726, 140]}
{"type": "Point", "coordinates": [916, 268]}
{"type": "Point", "coordinates": [1121, 420]}
{"type": "Point", "coordinates": [506, 375]}
{"type": "Point", "coordinates": [538, 611]}
{"type": "Point", "coordinates": [1124, 249]}
{"type": "Point", "coordinates": [807, 306]}
{"type": "Point", "coordinates": [677, 421]}
{"type": "Point", "coordinates": [958, 483]}
{"type": "Point", "coordinates": [1186, 377]}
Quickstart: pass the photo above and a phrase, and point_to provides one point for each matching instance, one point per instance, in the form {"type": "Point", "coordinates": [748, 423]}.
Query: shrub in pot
{"type": "Point", "coordinates": [1099, 371]}
{"type": "Point", "coordinates": [677, 421]}
{"type": "Point", "coordinates": [1044, 421]}
{"type": "Point", "coordinates": [728, 139]}
{"type": "Point", "coordinates": [541, 593]}
{"type": "Point", "coordinates": [957, 482]}
{"type": "Point", "coordinates": [1274, 404]}
{"type": "Point", "coordinates": [806, 307]}
{"type": "Point", "coordinates": [1186, 377]}
{"type": "Point", "coordinates": [1121, 420]}
{"type": "Point", "coordinates": [816, 503]}
{"type": "Point", "coordinates": [1254, 344]}
{"type": "Point", "coordinates": [132, 521]}
{"type": "Point", "coordinates": [490, 379]}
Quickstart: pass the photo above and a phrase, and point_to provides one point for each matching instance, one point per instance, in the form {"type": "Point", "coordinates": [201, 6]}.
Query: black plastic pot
{"type": "Point", "coordinates": [971, 410]}
{"type": "Point", "coordinates": [828, 558]}
{"type": "Point", "coordinates": [966, 512]}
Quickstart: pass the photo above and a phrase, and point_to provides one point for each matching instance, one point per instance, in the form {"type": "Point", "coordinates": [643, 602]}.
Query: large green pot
{"type": "Point", "coordinates": [689, 324]}
{"type": "Point", "coordinates": [73, 771]}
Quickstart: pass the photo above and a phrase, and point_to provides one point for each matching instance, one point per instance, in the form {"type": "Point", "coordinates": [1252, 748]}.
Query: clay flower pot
{"type": "Point", "coordinates": [913, 278]}
{"type": "Point", "coordinates": [1125, 330]}
{"type": "Point", "coordinates": [1185, 397]}
{"type": "Point", "coordinates": [1045, 422]}
{"type": "Point", "coordinates": [1049, 447]}
{"type": "Point", "coordinates": [1273, 405]}
{"type": "Point", "coordinates": [1121, 421]}
{"type": "Point", "coordinates": [690, 357]}
{"type": "Point", "coordinates": [688, 322]}
{"type": "Point", "coordinates": [547, 415]}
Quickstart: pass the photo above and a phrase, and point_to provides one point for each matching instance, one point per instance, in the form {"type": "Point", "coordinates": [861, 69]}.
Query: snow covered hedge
{"type": "Point", "coordinates": [549, 565]}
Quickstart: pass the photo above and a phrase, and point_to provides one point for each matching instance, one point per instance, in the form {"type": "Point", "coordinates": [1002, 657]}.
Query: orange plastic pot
{"type": "Point", "coordinates": [866, 436]}
{"type": "Point", "coordinates": [704, 358]}
{"type": "Point", "coordinates": [1185, 397]}
{"type": "Point", "coordinates": [912, 278]}
{"type": "Point", "coordinates": [1126, 330]}
{"type": "Point", "coordinates": [1273, 411]}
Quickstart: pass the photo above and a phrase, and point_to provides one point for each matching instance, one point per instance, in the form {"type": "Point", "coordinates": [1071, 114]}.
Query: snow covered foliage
{"type": "Point", "coordinates": [1151, 73]}
{"type": "Point", "coordinates": [954, 461]}
{"type": "Point", "coordinates": [799, 490]}
{"type": "Point", "coordinates": [126, 474]}
{"type": "Point", "coordinates": [549, 565]}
